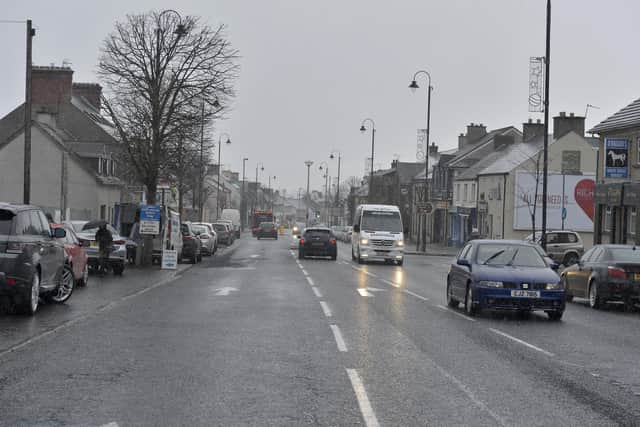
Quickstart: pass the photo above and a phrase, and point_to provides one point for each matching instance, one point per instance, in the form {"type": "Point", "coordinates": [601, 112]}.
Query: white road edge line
{"type": "Point", "coordinates": [111, 424]}
{"type": "Point", "coordinates": [304, 271]}
{"type": "Point", "coordinates": [413, 294]}
{"type": "Point", "coordinates": [338, 336]}
{"type": "Point", "coordinates": [310, 280]}
{"type": "Point", "coordinates": [524, 343]}
{"type": "Point", "coordinates": [325, 309]}
{"type": "Point", "coordinates": [316, 291]}
{"type": "Point", "coordinates": [442, 307]}
{"type": "Point", "coordinates": [368, 415]}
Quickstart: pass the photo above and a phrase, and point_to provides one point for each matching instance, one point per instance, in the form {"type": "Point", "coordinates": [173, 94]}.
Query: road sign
{"type": "Point", "coordinates": [564, 213]}
{"type": "Point", "coordinates": [150, 219]}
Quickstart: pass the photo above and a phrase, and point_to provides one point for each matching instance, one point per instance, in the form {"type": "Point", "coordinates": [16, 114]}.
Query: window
{"type": "Point", "coordinates": [572, 238]}
{"type": "Point", "coordinates": [632, 221]}
{"type": "Point", "coordinates": [607, 219]}
{"type": "Point", "coordinates": [464, 253]}
{"type": "Point", "coordinates": [99, 165]}
{"type": "Point", "coordinates": [23, 223]}
{"type": "Point", "coordinates": [552, 238]}
{"type": "Point", "coordinates": [457, 192]}
{"type": "Point", "coordinates": [46, 228]}
{"type": "Point", "coordinates": [103, 211]}
{"type": "Point", "coordinates": [466, 187]}
{"type": "Point", "coordinates": [638, 150]}
{"type": "Point", "coordinates": [473, 192]}
{"type": "Point", "coordinates": [36, 226]}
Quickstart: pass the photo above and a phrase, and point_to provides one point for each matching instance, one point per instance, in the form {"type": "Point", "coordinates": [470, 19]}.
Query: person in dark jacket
{"type": "Point", "coordinates": [105, 240]}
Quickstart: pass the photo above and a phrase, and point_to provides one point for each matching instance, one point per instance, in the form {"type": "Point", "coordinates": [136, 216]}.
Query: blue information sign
{"type": "Point", "coordinates": [150, 219]}
{"type": "Point", "coordinates": [616, 158]}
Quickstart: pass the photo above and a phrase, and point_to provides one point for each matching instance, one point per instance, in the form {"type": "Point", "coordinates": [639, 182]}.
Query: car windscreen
{"type": "Point", "coordinates": [630, 254]}
{"type": "Point", "coordinates": [513, 255]}
{"type": "Point", "coordinates": [381, 221]}
{"type": "Point", "coordinates": [6, 220]}
{"type": "Point", "coordinates": [266, 225]}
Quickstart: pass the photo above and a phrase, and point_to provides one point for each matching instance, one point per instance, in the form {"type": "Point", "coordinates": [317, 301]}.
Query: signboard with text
{"type": "Point", "coordinates": [150, 219]}
{"type": "Point", "coordinates": [169, 259]}
{"type": "Point", "coordinates": [616, 158]}
{"type": "Point", "coordinates": [577, 191]}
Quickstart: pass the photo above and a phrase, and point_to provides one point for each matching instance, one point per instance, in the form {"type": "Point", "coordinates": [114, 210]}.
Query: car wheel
{"type": "Point", "coordinates": [334, 257]}
{"type": "Point", "coordinates": [84, 280]}
{"type": "Point", "coordinates": [451, 301]}
{"type": "Point", "coordinates": [118, 269]}
{"type": "Point", "coordinates": [555, 315]}
{"type": "Point", "coordinates": [353, 255]}
{"type": "Point", "coordinates": [300, 255]}
{"type": "Point", "coordinates": [469, 308]}
{"type": "Point", "coordinates": [570, 259]}
{"type": "Point", "coordinates": [65, 286]}
{"type": "Point", "coordinates": [30, 300]}
{"type": "Point", "coordinates": [400, 262]}
{"type": "Point", "coordinates": [594, 298]}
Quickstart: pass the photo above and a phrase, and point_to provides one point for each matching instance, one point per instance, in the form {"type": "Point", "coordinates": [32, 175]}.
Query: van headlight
{"type": "Point", "coordinates": [490, 284]}
{"type": "Point", "coordinates": [400, 243]}
{"type": "Point", "coordinates": [364, 241]}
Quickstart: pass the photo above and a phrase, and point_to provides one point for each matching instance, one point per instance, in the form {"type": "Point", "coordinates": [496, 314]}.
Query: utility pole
{"type": "Point", "coordinates": [201, 196]}
{"type": "Point", "coordinates": [27, 117]}
{"type": "Point", "coordinates": [243, 202]}
{"type": "Point", "coordinates": [545, 169]}
{"type": "Point", "coordinates": [308, 163]}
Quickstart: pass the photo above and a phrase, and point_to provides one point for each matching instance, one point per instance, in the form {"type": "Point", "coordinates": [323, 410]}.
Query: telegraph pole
{"type": "Point", "coordinates": [545, 168]}
{"type": "Point", "coordinates": [27, 117]}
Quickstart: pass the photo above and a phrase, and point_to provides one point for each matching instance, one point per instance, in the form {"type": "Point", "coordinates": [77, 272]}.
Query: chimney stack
{"type": "Point", "coordinates": [563, 124]}
{"type": "Point", "coordinates": [462, 140]}
{"type": "Point", "coordinates": [531, 130]}
{"type": "Point", "coordinates": [475, 132]}
{"type": "Point", "coordinates": [50, 87]}
{"type": "Point", "coordinates": [91, 92]}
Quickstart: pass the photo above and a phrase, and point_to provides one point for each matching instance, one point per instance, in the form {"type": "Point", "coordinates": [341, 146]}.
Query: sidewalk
{"type": "Point", "coordinates": [433, 249]}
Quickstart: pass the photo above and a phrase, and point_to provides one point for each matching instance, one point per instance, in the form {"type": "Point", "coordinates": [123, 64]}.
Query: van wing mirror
{"type": "Point", "coordinates": [59, 233]}
{"type": "Point", "coordinates": [356, 228]}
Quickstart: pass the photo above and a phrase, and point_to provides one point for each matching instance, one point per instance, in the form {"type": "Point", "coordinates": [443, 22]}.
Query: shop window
{"type": "Point", "coordinates": [473, 192]}
{"type": "Point", "coordinates": [457, 192]}
{"type": "Point", "coordinates": [466, 188]}
{"type": "Point", "coordinates": [608, 217]}
{"type": "Point", "coordinates": [632, 221]}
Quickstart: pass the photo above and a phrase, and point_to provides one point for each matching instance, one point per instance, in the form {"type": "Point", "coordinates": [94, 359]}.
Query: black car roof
{"type": "Point", "coordinates": [317, 229]}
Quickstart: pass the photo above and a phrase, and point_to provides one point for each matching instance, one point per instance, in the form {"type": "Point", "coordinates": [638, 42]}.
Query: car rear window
{"type": "Point", "coordinates": [317, 233]}
{"type": "Point", "coordinates": [6, 221]}
{"type": "Point", "coordinates": [630, 254]}
{"type": "Point", "coordinates": [219, 227]}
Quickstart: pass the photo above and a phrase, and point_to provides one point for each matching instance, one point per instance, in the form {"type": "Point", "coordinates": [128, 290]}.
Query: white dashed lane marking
{"type": "Point", "coordinates": [366, 409]}
{"type": "Point", "coordinates": [316, 291]}
{"type": "Point", "coordinates": [524, 343]}
{"type": "Point", "coordinates": [342, 346]}
{"type": "Point", "coordinates": [325, 309]}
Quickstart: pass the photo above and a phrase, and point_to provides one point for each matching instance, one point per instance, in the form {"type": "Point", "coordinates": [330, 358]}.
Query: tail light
{"type": "Point", "coordinates": [119, 242]}
{"type": "Point", "coordinates": [302, 241]}
{"type": "Point", "coordinates": [15, 247]}
{"type": "Point", "coordinates": [332, 241]}
{"type": "Point", "coordinates": [10, 281]}
{"type": "Point", "coordinates": [188, 238]}
{"type": "Point", "coordinates": [616, 273]}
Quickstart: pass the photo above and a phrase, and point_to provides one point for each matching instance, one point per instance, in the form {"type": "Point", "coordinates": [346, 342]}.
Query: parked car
{"type": "Point", "coordinates": [118, 254]}
{"type": "Point", "coordinates": [563, 246]}
{"type": "Point", "coordinates": [223, 232]}
{"type": "Point", "coordinates": [207, 240]}
{"type": "Point", "coordinates": [77, 257]}
{"type": "Point", "coordinates": [32, 263]}
{"type": "Point", "coordinates": [212, 232]}
{"type": "Point", "coordinates": [191, 244]}
{"type": "Point", "coordinates": [267, 230]}
{"type": "Point", "coordinates": [318, 241]}
{"type": "Point", "coordinates": [229, 224]}
{"type": "Point", "coordinates": [232, 215]}
{"type": "Point", "coordinates": [504, 275]}
{"type": "Point", "coordinates": [605, 273]}
{"type": "Point", "coordinates": [76, 224]}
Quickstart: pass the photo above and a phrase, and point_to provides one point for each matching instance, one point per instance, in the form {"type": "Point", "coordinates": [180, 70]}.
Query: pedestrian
{"type": "Point", "coordinates": [105, 240]}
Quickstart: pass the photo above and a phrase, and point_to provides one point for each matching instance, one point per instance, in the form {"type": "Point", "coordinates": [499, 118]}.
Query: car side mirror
{"type": "Point", "coordinates": [59, 233]}
{"type": "Point", "coordinates": [465, 262]}
{"type": "Point", "coordinates": [356, 228]}
{"type": "Point", "coordinates": [554, 266]}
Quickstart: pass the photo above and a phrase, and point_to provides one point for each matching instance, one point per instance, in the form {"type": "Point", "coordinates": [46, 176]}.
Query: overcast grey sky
{"type": "Point", "coordinates": [311, 71]}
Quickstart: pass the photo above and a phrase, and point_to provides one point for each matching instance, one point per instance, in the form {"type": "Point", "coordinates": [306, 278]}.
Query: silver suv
{"type": "Point", "coordinates": [563, 246]}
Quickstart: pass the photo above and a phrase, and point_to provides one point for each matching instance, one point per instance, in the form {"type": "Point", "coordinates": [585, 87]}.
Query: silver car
{"type": "Point", "coordinates": [563, 246]}
{"type": "Point", "coordinates": [207, 237]}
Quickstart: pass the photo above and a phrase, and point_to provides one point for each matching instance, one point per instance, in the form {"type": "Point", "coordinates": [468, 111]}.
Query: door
{"type": "Point", "coordinates": [580, 282]}
{"type": "Point", "coordinates": [459, 274]}
{"type": "Point", "coordinates": [48, 249]}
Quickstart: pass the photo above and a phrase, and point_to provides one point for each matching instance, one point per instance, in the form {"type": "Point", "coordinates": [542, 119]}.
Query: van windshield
{"type": "Point", "coordinates": [381, 221]}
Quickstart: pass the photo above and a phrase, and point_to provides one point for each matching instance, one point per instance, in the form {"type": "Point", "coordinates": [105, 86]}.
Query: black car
{"type": "Point", "coordinates": [267, 230]}
{"type": "Point", "coordinates": [317, 241]}
{"type": "Point", "coordinates": [32, 262]}
{"type": "Point", "coordinates": [605, 273]}
{"type": "Point", "coordinates": [191, 244]}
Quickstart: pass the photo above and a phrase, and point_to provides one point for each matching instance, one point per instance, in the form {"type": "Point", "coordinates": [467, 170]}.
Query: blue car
{"type": "Point", "coordinates": [504, 275]}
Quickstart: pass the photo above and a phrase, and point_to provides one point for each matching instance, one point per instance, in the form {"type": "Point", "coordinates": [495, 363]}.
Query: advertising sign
{"type": "Point", "coordinates": [150, 219]}
{"type": "Point", "coordinates": [169, 259]}
{"type": "Point", "coordinates": [577, 191]}
{"type": "Point", "coordinates": [616, 158]}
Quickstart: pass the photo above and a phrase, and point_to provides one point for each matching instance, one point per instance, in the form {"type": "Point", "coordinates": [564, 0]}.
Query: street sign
{"type": "Point", "coordinates": [426, 208]}
{"type": "Point", "coordinates": [169, 259]}
{"type": "Point", "coordinates": [564, 213]}
{"type": "Point", "coordinates": [150, 219]}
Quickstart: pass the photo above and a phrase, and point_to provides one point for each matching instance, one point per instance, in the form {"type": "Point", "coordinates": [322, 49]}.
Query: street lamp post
{"type": "Point", "coordinates": [308, 164]}
{"type": "Point", "coordinates": [269, 192]}
{"type": "Point", "coordinates": [261, 165]}
{"type": "Point", "coordinates": [326, 193]}
{"type": "Point", "coordinates": [413, 86]}
{"type": "Point", "coordinates": [220, 167]}
{"type": "Point", "coordinates": [545, 166]}
{"type": "Point", "coordinates": [243, 201]}
{"type": "Point", "coordinates": [373, 139]}
{"type": "Point", "coordinates": [337, 203]}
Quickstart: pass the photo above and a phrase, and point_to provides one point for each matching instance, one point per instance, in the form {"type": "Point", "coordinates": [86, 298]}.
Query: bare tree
{"type": "Point", "coordinates": [164, 76]}
{"type": "Point", "coordinates": [535, 169]}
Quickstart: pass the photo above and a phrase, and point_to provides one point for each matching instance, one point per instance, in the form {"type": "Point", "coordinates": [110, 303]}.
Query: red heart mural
{"type": "Point", "coordinates": [584, 196]}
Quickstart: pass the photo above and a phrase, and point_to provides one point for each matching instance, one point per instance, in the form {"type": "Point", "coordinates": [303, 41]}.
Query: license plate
{"type": "Point", "coordinates": [525, 294]}
{"type": "Point", "coordinates": [636, 276]}
{"type": "Point", "coordinates": [319, 244]}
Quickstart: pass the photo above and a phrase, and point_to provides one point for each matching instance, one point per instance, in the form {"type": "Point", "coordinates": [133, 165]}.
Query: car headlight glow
{"type": "Point", "coordinates": [399, 243]}
{"type": "Point", "coordinates": [364, 241]}
{"type": "Point", "coordinates": [552, 286]}
{"type": "Point", "coordinates": [490, 284]}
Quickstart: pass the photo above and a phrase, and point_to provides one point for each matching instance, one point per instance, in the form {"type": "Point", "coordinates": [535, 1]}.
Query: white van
{"type": "Point", "coordinates": [170, 235]}
{"type": "Point", "coordinates": [377, 234]}
{"type": "Point", "coordinates": [232, 215]}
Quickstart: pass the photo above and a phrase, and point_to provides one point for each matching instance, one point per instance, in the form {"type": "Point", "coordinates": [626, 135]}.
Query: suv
{"type": "Point", "coordinates": [563, 246]}
{"type": "Point", "coordinates": [32, 262]}
{"type": "Point", "coordinates": [317, 241]}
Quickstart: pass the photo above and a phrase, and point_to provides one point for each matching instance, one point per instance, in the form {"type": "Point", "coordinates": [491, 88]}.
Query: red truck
{"type": "Point", "coordinates": [258, 217]}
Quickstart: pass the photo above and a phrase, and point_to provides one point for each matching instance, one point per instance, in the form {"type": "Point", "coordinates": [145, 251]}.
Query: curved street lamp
{"type": "Point", "coordinates": [181, 29]}
{"type": "Point", "coordinates": [414, 86]}
{"type": "Point", "coordinates": [308, 164]}
{"type": "Point", "coordinates": [218, 210]}
{"type": "Point", "coordinates": [326, 188]}
{"type": "Point", "coordinates": [261, 166]}
{"type": "Point", "coordinates": [373, 138]}
{"type": "Point", "coordinates": [337, 203]}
